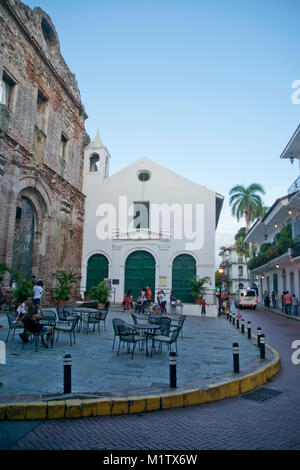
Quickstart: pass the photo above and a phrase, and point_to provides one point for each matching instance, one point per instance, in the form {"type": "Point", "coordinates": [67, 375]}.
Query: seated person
{"type": "Point", "coordinates": [21, 311]}
{"type": "Point", "coordinates": [32, 325]}
{"type": "Point", "coordinates": [138, 304]}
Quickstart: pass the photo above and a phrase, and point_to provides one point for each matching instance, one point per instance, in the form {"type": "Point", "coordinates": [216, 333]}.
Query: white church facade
{"type": "Point", "coordinates": [146, 226]}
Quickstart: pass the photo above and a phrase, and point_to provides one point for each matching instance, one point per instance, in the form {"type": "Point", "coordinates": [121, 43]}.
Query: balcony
{"type": "Point", "coordinates": [295, 186]}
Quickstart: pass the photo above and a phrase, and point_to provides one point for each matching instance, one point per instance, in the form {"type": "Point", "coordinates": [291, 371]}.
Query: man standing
{"type": "Point", "coordinates": [148, 297]}
{"type": "Point", "coordinates": [295, 302]}
{"type": "Point", "coordinates": [288, 302]}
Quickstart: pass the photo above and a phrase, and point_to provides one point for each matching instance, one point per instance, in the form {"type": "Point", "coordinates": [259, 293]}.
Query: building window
{"type": "Point", "coordinates": [41, 117]}
{"type": "Point", "coordinates": [6, 89]}
{"type": "Point", "coordinates": [144, 175]}
{"type": "Point", "coordinates": [106, 167]}
{"type": "Point", "coordinates": [63, 147]}
{"type": "Point", "coordinates": [141, 215]}
{"type": "Point", "coordinates": [94, 163]}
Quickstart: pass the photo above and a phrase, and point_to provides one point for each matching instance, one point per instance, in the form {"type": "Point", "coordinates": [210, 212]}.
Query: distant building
{"type": "Point", "coordinates": [41, 148]}
{"type": "Point", "coordinates": [146, 225]}
{"type": "Point", "coordinates": [279, 270]}
{"type": "Point", "coordinates": [235, 275]}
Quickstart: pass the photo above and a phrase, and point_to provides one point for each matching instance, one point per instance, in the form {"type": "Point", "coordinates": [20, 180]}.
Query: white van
{"type": "Point", "coordinates": [245, 298]}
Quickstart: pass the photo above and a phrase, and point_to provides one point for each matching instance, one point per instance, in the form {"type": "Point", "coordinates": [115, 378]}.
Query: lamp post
{"type": "Point", "coordinates": [221, 270]}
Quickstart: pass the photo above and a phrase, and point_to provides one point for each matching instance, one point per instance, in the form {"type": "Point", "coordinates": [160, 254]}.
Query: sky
{"type": "Point", "coordinates": [203, 87]}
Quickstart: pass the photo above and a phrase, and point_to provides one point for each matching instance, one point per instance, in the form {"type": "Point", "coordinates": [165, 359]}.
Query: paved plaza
{"type": "Point", "coordinates": [205, 357]}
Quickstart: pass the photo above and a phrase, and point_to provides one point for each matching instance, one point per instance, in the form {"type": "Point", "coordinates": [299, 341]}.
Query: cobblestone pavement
{"type": "Point", "coordinates": [235, 423]}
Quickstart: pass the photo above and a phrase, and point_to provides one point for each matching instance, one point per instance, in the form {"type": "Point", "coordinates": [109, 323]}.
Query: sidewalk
{"type": "Point", "coordinates": [103, 383]}
{"type": "Point", "coordinates": [278, 311]}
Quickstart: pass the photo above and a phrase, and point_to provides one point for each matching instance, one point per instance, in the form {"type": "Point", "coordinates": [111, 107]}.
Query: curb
{"type": "Point", "coordinates": [82, 408]}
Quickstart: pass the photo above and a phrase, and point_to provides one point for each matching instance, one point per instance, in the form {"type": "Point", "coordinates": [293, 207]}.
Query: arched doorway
{"type": "Point", "coordinates": [139, 273]}
{"type": "Point", "coordinates": [97, 270]}
{"type": "Point", "coordinates": [24, 237]}
{"type": "Point", "coordinates": [184, 267]}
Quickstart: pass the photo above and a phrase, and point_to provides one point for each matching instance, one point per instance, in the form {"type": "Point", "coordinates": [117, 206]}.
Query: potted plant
{"type": "Point", "coordinates": [197, 287]}
{"type": "Point", "coordinates": [24, 290]}
{"type": "Point", "coordinates": [65, 284]}
{"type": "Point", "coordinates": [100, 293]}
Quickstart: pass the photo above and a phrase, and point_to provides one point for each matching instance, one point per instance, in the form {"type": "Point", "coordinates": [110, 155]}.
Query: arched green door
{"type": "Point", "coordinates": [97, 270]}
{"type": "Point", "coordinates": [139, 273]}
{"type": "Point", "coordinates": [184, 267]}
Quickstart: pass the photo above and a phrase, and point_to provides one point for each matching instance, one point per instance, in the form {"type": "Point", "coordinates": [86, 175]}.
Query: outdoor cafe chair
{"type": "Point", "coordinates": [179, 322]}
{"type": "Point", "coordinates": [169, 340]}
{"type": "Point", "coordinates": [164, 326]}
{"type": "Point", "coordinates": [67, 327]}
{"type": "Point", "coordinates": [128, 335]}
{"type": "Point", "coordinates": [91, 318]}
{"type": "Point", "coordinates": [13, 325]}
{"type": "Point", "coordinates": [49, 317]}
{"type": "Point", "coordinates": [116, 322]}
{"type": "Point", "coordinates": [154, 317]}
{"type": "Point", "coordinates": [34, 336]}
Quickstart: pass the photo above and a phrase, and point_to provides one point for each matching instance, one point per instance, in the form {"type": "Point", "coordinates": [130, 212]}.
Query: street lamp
{"type": "Point", "coordinates": [221, 270]}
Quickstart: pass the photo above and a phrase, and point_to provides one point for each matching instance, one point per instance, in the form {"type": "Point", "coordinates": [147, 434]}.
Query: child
{"type": "Point", "coordinates": [203, 309]}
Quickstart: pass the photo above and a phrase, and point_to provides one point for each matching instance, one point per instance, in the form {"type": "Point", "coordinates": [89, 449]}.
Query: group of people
{"type": "Point", "coordinates": [289, 303]}
{"type": "Point", "coordinates": [143, 302]}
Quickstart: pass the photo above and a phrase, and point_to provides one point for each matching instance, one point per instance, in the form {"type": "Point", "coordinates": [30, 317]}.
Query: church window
{"type": "Point", "coordinates": [144, 175]}
{"type": "Point", "coordinates": [6, 89]}
{"type": "Point", "coordinates": [94, 162]}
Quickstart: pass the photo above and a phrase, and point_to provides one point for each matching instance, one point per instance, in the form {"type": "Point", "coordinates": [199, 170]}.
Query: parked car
{"type": "Point", "coordinates": [245, 298]}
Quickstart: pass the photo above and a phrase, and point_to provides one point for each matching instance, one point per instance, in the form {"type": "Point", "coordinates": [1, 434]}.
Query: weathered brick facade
{"type": "Point", "coordinates": [41, 145]}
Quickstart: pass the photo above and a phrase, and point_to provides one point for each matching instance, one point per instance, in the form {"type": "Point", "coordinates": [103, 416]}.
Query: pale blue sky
{"type": "Point", "coordinates": [202, 87]}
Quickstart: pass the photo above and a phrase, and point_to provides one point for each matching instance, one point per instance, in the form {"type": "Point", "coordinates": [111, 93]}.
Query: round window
{"type": "Point", "coordinates": [144, 176]}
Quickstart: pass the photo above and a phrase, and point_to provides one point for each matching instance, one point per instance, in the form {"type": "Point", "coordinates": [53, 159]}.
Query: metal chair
{"type": "Point", "coordinates": [49, 318]}
{"type": "Point", "coordinates": [169, 340]}
{"type": "Point", "coordinates": [179, 322]}
{"type": "Point", "coordinates": [154, 318]}
{"type": "Point", "coordinates": [116, 322]}
{"type": "Point", "coordinates": [128, 335]}
{"type": "Point", "coordinates": [67, 327]}
{"type": "Point", "coordinates": [103, 317]}
{"type": "Point", "coordinates": [13, 325]}
{"type": "Point", "coordinates": [164, 326]}
{"type": "Point", "coordinates": [91, 318]}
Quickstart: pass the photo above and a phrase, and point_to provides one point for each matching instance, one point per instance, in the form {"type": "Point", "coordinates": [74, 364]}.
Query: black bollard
{"type": "Point", "coordinates": [258, 336]}
{"type": "Point", "coordinates": [236, 360]}
{"type": "Point", "coordinates": [249, 329]}
{"type": "Point", "coordinates": [243, 325]}
{"type": "Point", "coordinates": [233, 319]}
{"type": "Point", "coordinates": [67, 373]}
{"type": "Point", "coordinates": [172, 362]}
{"type": "Point", "coordinates": [262, 347]}
{"type": "Point", "coordinates": [230, 317]}
{"type": "Point", "coordinates": [237, 323]}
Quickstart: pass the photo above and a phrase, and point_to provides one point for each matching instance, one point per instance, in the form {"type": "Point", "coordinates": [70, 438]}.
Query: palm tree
{"type": "Point", "coordinates": [246, 202]}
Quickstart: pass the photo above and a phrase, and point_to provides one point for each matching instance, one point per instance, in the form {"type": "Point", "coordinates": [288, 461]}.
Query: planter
{"type": "Point", "coordinates": [198, 300]}
{"type": "Point", "coordinates": [87, 296]}
{"type": "Point", "coordinates": [100, 306]}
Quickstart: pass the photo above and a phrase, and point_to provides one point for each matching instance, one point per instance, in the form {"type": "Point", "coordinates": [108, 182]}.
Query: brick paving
{"type": "Point", "coordinates": [233, 423]}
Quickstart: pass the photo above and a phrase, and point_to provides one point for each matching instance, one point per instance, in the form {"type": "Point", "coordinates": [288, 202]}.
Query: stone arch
{"type": "Point", "coordinates": [94, 163]}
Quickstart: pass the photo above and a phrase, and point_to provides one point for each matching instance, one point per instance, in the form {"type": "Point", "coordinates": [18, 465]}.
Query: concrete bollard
{"type": "Point", "coordinates": [262, 347]}
{"type": "Point", "coordinates": [67, 373]}
{"type": "Point", "coordinates": [236, 359]}
{"type": "Point", "coordinates": [258, 336]}
{"type": "Point", "coordinates": [172, 363]}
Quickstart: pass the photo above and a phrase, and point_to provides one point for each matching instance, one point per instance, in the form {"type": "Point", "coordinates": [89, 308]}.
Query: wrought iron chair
{"type": "Point", "coordinates": [164, 326]}
{"type": "Point", "coordinates": [169, 340]}
{"type": "Point", "coordinates": [91, 318]}
{"type": "Point", "coordinates": [67, 327]}
{"type": "Point", "coordinates": [13, 325]}
{"type": "Point", "coordinates": [179, 322]}
{"type": "Point", "coordinates": [128, 335]}
{"type": "Point", "coordinates": [49, 317]}
{"type": "Point", "coordinates": [154, 318]}
{"type": "Point", "coordinates": [116, 322]}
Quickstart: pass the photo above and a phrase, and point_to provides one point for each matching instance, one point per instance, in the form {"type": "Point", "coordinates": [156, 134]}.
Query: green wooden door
{"type": "Point", "coordinates": [97, 270]}
{"type": "Point", "coordinates": [139, 273]}
{"type": "Point", "coordinates": [184, 267]}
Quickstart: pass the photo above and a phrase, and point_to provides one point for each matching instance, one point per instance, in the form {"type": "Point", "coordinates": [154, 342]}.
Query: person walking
{"type": "Point", "coordinates": [288, 303]}
{"type": "Point", "coordinates": [295, 303]}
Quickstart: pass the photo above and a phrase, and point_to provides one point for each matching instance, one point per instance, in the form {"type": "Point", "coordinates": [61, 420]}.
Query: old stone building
{"type": "Point", "coordinates": [41, 147]}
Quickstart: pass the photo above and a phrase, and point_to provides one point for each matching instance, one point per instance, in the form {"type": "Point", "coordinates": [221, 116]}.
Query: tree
{"type": "Point", "coordinates": [246, 202]}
